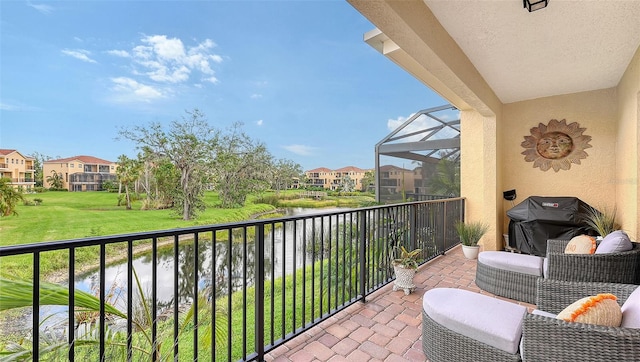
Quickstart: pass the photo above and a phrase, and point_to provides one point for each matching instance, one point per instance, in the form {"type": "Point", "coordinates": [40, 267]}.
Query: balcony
{"type": "Point", "coordinates": [387, 327]}
{"type": "Point", "coordinates": [284, 279]}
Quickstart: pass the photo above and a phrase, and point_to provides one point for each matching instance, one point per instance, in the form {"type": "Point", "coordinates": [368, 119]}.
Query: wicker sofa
{"type": "Point", "coordinates": [550, 339]}
{"type": "Point", "coordinates": [621, 267]}
{"type": "Point", "coordinates": [543, 338]}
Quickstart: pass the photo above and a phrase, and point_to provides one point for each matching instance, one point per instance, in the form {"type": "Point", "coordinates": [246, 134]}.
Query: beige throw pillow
{"type": "Point", "coordinates": [581, 244]}
{"type": "Point", "coordinates": [601, 309]}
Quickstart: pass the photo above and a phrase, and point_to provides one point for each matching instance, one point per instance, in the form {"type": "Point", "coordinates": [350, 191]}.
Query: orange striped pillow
{"type": "Point", "coordinates": [581, 244]}
{"type": "Point", "coordinates": [601, 309]}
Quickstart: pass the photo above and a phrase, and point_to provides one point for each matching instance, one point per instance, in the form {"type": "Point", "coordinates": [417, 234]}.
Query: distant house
{"type": "Point", "coordinates": [80, 173]}
{"type": "Point", "coordinates": [394, 179]}
{"type": "Point", "coordinates": [18, 168]}
{"type": "Point", "coordinates": [334, 179]}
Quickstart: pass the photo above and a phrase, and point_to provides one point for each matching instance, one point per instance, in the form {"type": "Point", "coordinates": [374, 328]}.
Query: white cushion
{"type": "Point", "coordinates": [616, 242]}
{"type": "Point", "coordinates": [485, 319]}
{"type": "Point", "coordinates": [521, 263]}
{"type": "Point", "coordinates": [631, 311]}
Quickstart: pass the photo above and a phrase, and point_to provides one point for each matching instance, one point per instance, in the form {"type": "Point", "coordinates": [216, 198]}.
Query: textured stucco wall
{"type": "Point", "coordinates": [478, 174]}
{"type": "Point", "coordinates": [593, 180]}
{"type": "Point", "coordinates": [628, 136]}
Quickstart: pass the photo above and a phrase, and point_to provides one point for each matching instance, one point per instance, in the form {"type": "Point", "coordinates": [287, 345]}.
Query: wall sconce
{"type": "Point", "coordinates": [510, 195]}
{"type": "Point", "coordinates": [533, 5]}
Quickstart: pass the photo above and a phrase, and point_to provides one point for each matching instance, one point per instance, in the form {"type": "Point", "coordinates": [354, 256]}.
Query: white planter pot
{"type": "Point", "coordinates": [470, 252]}
{"type": "Point", "coordinates": [404, 279]}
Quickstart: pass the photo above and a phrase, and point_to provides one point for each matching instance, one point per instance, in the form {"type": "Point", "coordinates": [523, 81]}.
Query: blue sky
{"type": "Point", "coordinates": [297, 74]}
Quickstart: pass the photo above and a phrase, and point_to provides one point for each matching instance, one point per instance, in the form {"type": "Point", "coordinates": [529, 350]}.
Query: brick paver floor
{"type": "Point", "coordinates": [388, 326]}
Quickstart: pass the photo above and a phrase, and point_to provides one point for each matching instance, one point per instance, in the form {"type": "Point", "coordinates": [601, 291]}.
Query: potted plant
{"type": "Point", "coordinates": [602, 222]}
{"type": "Point", "coordinates": [405, 265]}
{"type": "Point", "coordinates": [470, 233]}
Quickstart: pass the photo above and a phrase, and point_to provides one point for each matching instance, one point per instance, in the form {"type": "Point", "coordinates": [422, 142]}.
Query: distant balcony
{"type": "Point", "coordinates": [4, 166]}
{"type": "Point", "coordinates": [287, 276]}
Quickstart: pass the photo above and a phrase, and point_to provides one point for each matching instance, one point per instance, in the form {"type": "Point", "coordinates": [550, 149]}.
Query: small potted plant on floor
{"type": "Point", "coordinates": [470, 234]}
{"type": "Point", "coordinates": [405, 265]}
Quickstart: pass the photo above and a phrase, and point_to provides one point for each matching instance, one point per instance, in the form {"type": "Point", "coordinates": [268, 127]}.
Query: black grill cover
{"type": "Point", "coordinates": [538, 218]}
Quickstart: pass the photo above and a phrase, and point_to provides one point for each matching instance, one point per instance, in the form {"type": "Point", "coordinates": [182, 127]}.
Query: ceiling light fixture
{"type": "Point", "coordinates": [533, 5]}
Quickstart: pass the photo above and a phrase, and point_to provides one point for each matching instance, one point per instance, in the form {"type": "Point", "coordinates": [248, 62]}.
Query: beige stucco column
{"type": "Point", "coordinates": [479, 174]}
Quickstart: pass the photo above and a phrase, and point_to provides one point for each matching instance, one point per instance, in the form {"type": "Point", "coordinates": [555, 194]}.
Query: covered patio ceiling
{"type": "Point", "coordinates": [570, 46]}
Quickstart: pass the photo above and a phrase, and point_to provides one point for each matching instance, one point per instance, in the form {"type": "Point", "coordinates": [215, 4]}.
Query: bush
{"type": "Point", "coordinates": [39, 189]}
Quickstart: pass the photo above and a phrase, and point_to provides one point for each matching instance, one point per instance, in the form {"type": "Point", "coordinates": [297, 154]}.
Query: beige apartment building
{"type": "Point", "coordinates": [20, 169]}
{"type": "Point", "coordinates": [334, 179]}
{"type": "Point", "coordinates": [80, 173]}
{"type": "Point", "coordinates": [394, 179]}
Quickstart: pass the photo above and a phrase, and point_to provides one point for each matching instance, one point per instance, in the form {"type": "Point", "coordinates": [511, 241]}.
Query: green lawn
{"type": "Point", "coordinates": [73, 215]}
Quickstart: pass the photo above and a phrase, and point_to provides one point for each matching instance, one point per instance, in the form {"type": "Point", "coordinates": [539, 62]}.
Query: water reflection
{"type": "Point", "coordinates": [232, 267]}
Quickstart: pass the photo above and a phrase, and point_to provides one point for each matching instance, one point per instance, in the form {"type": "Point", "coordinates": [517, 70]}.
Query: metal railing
{"type": "Point", "coordinates": [261, 282]}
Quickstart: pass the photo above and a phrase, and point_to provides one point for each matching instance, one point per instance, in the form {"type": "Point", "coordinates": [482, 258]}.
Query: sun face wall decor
{"type": "Point", "coordinates": [556, 145]}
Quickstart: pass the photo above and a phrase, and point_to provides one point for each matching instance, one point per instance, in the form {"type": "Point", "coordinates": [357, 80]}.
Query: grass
{"type": "Point", "coordinates": [73, 215]}
{"type": "Point", "coordinates": [63, 215]}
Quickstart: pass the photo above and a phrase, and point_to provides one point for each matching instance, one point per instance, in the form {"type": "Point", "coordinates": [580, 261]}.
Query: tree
{"type": "Point", "coordinates": [446, 180]}
{"type": "Point", "coordinates": [190, 145]}
{"type": "Point", "coordinates": [128, 172]}
{"type": "Point", "coordinates": [39, 160]}
{"type": "Point", "coordinates": [242, 166]}
{"type": "Point", "coordinates": [55, 180]}
{"type": "Point", "coordinates": [283, 172]}
{"type": "Point", "coordinates": [347, 184]}
{"type": "Point", "coordinates": [368, 181]}
{"type": "Point", "coordinates": [9, 197]}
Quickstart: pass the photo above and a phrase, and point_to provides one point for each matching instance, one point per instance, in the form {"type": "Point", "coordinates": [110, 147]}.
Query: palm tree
{"type": "Point", "coordinates": [19, 294]}
{"type": "Point", "coordinates": [55, 180]}
{"type": "Point", "coordinates": [9, 197]}
{"type": "Point", "coordinates": [128, 172]}
{"type": "Point", "coordinates": [446, 180]}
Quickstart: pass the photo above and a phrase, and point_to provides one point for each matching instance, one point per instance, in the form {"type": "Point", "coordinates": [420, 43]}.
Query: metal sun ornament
{"type": "Point", "coordinates": [556, 145]}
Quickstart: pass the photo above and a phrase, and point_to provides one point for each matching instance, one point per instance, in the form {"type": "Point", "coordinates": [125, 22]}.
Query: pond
{"type": "Point", "coordinates": [116, 274]}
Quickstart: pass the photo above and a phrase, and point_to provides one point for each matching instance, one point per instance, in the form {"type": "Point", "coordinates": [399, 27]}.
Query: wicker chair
{"type": "Point", "coordinates": [621, 267]}
{"type": "Point", "coordinates": [550, 339]}
{"type": "Point", "coordinates": [545, 338]}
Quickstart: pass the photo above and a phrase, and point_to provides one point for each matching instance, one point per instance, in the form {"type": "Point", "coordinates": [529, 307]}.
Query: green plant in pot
{"type": "Point", "coordinates": [470, 234]}
{"type": "Point", "coordinates": [405, 264]}
{"type": "Point", "coordinates": [602, 222]}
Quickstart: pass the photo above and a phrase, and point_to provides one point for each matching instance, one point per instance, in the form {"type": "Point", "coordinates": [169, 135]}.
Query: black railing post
{"type": "Point", "coordinates": [363, 256]}
{"type": "Point", "coordinates": [444, 227]}
{"type": "Point", "coordinates": [259, 285]}
{"type": "Point", "coordinates": [413, 221]}
{"type": "Point", "coordinates": [35, 344]}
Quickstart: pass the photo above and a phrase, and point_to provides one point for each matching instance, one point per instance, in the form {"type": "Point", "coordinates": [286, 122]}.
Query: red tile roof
{"type": "Point", "coordinates": [320, 169]}
{"type": "Point", "coordinates": [5, 152]}
{"type": "Point", "coordinates": [84, 159]}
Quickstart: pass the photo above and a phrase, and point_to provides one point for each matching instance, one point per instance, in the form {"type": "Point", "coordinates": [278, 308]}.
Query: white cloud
{"type": "Point", "coordinates": [167, 60]}
{"type": "Point", "coordinates": [129, 90]}
{"type": "Point", "coordinates": [256, 96]}
{"type": "Point", "coordinates": [8, 107]}
{"type": "Point", "coordinates": [421, 123]}
{"type": "Point", "coordinates": [45, 9]}
{"type": "Point", "coordinates": [300, 149]}
{"type": "Point", "coordinates": [259, 122]}
{"type": "Point", "coordinates": [119, 53]}
{"type": "Point", "coordinates": [79, 54]}
{"type": "Point", "coordinates": [213, 80]}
